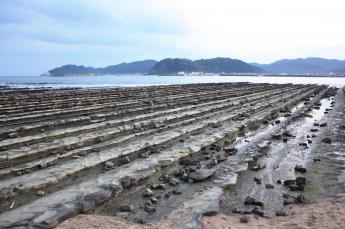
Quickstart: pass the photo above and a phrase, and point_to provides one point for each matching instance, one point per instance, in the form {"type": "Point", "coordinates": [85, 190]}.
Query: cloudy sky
{"type": "Point", "coordinates": [37, 35]}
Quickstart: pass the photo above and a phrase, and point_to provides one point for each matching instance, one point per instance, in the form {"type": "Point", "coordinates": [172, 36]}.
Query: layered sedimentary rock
{"type": "Point", "coordinates": [66, 152]}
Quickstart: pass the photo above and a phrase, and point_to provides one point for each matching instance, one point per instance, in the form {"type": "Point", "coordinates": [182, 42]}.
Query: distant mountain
{"type": "Point", "coordinates": [130, 68]}
{"type": "Point", "coordinates": [215, 65]}
{"type": "Point", "coordinates": [311, 65]}
{"type": "Point", "coordinates": [169, 66]}
{"type": "Point", "coordinates": [140, 67]}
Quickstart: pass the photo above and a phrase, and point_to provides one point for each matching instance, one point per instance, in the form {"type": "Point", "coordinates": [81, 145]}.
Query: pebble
{"type": "Point", "coordinates": [44, 165]}
{"type": "Point", "coordinates": [125, 160]}
{"type": "Point", "coordinates": [300, 168]}
{"type": "Point", "coordinates": [257, 180]}
{"type": "Point", "coordinates": [327, 140]}
{"type": "Point", "coordinates": [127, 208]}
{"type": "Point", "coordinates": [148, 193]}
{"type": "Point", "coordinates": [289, 182]}
{"type": "Point", "coordinates": [13, 135]}
{"type": "Point", "coordinates": [244, 219]}
{"type": "Point", "coordinates": [280, 213]}
{"type": "Point", "coordinates": [289, 200]}
{"type": "Point", "coordinates": [201, 175]}
{"type": "Point", "coordinates": [301, 181]}
{"type": "Point", "coordinates": [40, 193]}
{"type": "Point", "coordinates": [323, 124]}
{"type": "Point", "coordinates": [270, 186]}
{"type": "Point", "coordinates": [150, 208]}
{"type": "Point", "coordinates": [126, 182]}
{"type": "Point", "coordinates": [144, 155]}
{"type": "Point", "coordinates": [303, 144]}
{"type": "Point", "coordinates": [109, 164]}
{"type": "Point", "coordinates": [153, 200]}
{"type": "Point", "coordinates": [122, 214]}
{"type": "Point", "coordinates": [261, 164]}
{"type": "Point", "coordinates": [173, 181]}
{"type": "Point", "coordinates": [257, 211]}
{"type": "Point", "coordinates": [252, 201]}
{"type": "Point", "coordinates": [300, 199]}
{"type": "Point", "coordinates": [296, 187]}
{"type": "Point", "coordinates": [222, 156]}
{"type": "Point", "coordinates": [159, 186]}
{"type": "Point", "coordinates": [177, 192]}
{"type": "Point", "coordinates": [231, 151]}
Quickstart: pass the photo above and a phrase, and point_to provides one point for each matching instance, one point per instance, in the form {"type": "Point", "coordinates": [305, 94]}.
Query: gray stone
{"type": "Point", "coordinates": [300, 199]}
{"type": "Point", "coordinates": [303, 144]}
{"type": "Point", "coordinates": [244, 219]}
{"type": "Point", "coordinates": [12, 135]}
{"type": "Point", "coordinates": [148, 193]}
{"type": "Point", "coordinates": [126, 182]}
{"type": "Point", "coordinates": [323, 124]}
{"type": "Point", "coordinates": [257, 211]}
{"type": "Point", "coordinates": [159, 186]}
{"type": "Point", "coordinates": [296, 187]}
{"type": "Point", "coordinates": [153, 200]}
{"type": "Point", "coordinates": [201, 175]}
{"type": "Point", "coordinates": [327, 140]}
{"type": "Point", "coordinates": [252, 201]}
{"type": "Point", "coordinates": [222, 156]}
{"type": "Point", "coordinates": [173, 181]}
{"type": "Point", "coordinates": [127, 208]}
{"type": "Point", "coordinates": [40, 193]}
{"type": "Point", "coordinates": [257, 180]}
{"type": "Point", "coordinates": [144, 155]}
{"type": "Point", "coordinates": [301, 181]}
{"type": "Point", "coordinates": [290, 200]}
{"type": "Point", "coordinates": [125, 160]}
{"type": "Point", "coordinates": [231, 151]}
{"type": "Point", "coordinates": [150, 208]}
{"type": "Point", "coordinates": [44, 165]}
{"type": "Point", "coordinates": [300, 168]}
{"type": "Point", "coordinates": [269, 186]}
{"type": "Point", "coordinates": [109, 164]}
{"type": "Point", "coordinates": [289, 182]}
{"type": "Point", "coordinates": [280, 213]}
{"type": "Point", "coordinates": [261, 163]}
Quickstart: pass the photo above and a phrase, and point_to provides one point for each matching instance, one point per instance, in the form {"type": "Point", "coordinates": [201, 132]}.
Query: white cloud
{"type": "Point", "coordinates": [46, 33]}
{"type": "Point", "coordinates": [263, 30]}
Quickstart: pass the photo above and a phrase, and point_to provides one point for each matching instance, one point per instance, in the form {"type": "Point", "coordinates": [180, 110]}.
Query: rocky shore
{"type": "Point", "coordinates": [183, 156]}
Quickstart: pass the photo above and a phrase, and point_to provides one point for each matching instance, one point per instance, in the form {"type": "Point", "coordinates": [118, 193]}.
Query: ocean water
{"type": "Point", "coordinates": [142, 80]}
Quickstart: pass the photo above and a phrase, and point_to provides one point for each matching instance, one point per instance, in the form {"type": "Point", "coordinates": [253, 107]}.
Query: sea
{"type": "Point", "coordinates": [150, 80]}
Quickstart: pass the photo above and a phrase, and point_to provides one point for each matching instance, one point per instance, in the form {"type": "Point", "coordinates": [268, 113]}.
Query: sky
{"type": "Point", "coordinates": [38, 35]}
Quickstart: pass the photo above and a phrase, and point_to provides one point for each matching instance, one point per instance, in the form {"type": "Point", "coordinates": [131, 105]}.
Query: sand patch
{"type": "Point", "coordinates": [325, 214]}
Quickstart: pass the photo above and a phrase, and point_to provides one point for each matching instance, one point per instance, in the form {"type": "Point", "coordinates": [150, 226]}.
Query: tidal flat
{"type": "Point", "coordinates": [168, 155]}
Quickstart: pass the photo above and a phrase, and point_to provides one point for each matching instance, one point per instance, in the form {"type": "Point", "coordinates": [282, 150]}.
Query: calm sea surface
{"type": "Point", "coordinates": [138, 80]}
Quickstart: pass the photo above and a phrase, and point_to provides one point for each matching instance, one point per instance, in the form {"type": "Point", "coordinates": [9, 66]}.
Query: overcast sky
{"type": "Point", "coordinates": [37, 35]}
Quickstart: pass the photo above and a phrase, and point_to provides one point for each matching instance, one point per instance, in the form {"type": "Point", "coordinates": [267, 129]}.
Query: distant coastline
{"type": "Point", "coordinates": [315, 67]}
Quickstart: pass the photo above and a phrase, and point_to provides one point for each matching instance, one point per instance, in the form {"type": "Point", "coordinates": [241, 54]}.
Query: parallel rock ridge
{"type": "Point", "coordinates": [65, 152]}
